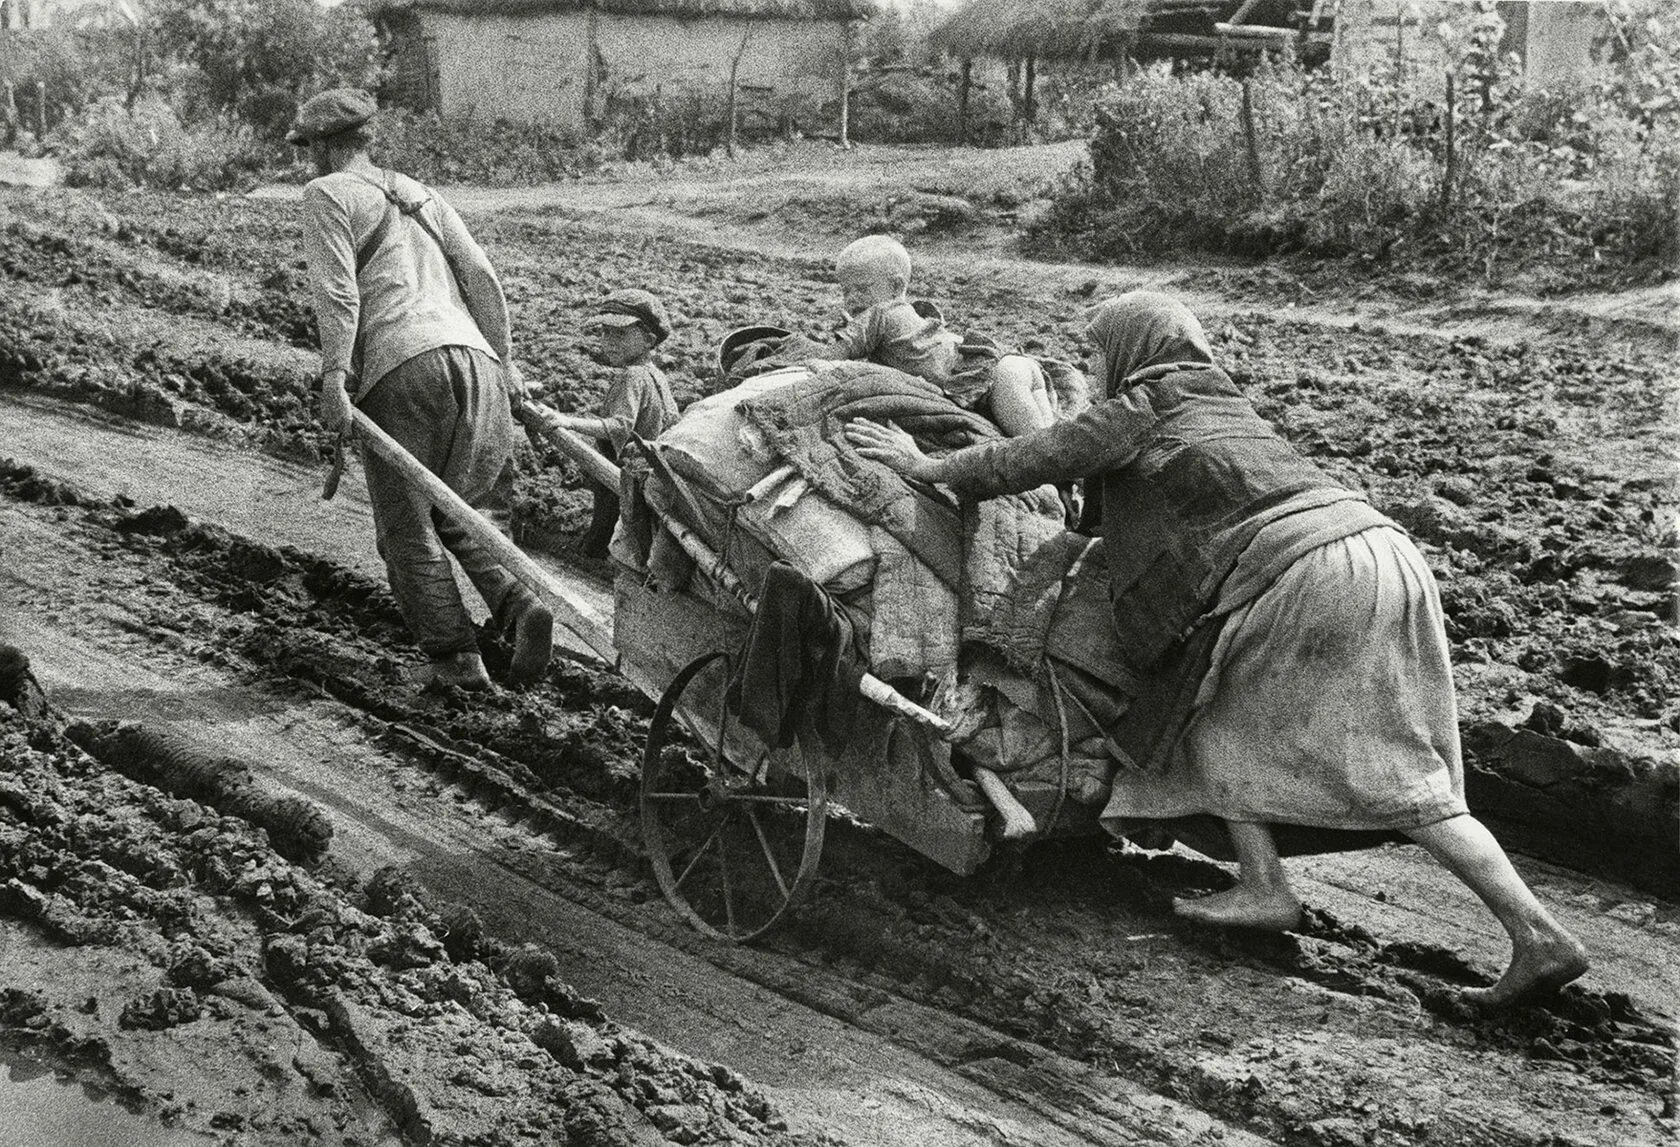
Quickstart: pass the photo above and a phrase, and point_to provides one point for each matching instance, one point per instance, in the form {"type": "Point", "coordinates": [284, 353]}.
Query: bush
{"type": "Point", "coordinates": [148, 146]}
{"type": "Point", "coordinates": [1581, 184]}
{"type": "Point", "coordinates": [436, 150]}
{"type": "Point", "coordinates": [920, 106]}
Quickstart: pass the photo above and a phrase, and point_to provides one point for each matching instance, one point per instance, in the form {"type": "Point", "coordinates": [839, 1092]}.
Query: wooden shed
{"type": "Point", "coordinates": [1141, 30]}
{"type": "Point", "coordinates": [563, 62]}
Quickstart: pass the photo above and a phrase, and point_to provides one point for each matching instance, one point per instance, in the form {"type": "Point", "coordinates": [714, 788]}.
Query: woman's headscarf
{"type": "Point", "coordinates": [1143, 335]}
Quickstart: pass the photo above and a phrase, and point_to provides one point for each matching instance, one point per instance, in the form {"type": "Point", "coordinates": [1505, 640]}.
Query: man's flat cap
{"type": "Point", "coordinates": [333, 111]}
{"type": "Point", "coordinates": [633, 306]}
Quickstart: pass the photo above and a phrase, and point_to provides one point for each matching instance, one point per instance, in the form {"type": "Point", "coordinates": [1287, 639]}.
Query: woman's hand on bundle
{"type": "Point", "coordinates": [893, 448]}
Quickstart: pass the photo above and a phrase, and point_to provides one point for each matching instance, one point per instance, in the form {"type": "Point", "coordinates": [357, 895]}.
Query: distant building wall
{"type": "Point", "coordinates": [562, 68]}
{"type": "Point", "coordinates": [1553, 37]}
{"type": "Point", "coordinates": [789, 66]}
{"type": "Point", "coordinates": [529, 69]}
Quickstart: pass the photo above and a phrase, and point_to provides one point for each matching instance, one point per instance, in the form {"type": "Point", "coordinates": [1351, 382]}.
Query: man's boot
{"type": "Point", "coordinates": [533, 644]}
{"type": "Point", "coordinates": [463, 670]}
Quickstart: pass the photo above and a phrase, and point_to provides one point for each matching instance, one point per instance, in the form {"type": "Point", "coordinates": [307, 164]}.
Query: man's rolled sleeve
{"type": "Point", "coordinates": [329, 249]}
{"type": "Point", "coordinates": [1108, 435]}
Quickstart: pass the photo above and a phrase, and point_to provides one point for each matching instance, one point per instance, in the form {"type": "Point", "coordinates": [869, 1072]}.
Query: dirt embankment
{"type": "Point", "coordinates": [1532, 472]}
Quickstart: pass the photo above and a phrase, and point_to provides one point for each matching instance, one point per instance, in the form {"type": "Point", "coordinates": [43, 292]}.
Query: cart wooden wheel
{"type": "Point", "coordinates": [734, 830]}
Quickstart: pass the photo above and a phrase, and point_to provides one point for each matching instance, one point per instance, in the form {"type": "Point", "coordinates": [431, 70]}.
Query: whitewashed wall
{"type": "Point", "coordinates": [530, 69]}
{"type": "Point", "coordinates": [534, 68]}
{"type": "Point", "coordinates": [800, 59]}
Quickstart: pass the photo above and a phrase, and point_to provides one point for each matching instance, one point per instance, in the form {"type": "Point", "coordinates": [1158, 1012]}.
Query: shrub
{"type": "Point", "coordinates": [436, 150]}
{"type": "Point", "coordinates": [255, 58]}
{"type": "Point", "coordinates": [148, 146]}
{"type": "Point", "coordinates": [1581, 181]}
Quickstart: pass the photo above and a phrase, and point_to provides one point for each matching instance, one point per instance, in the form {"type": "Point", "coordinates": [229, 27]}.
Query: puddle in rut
{"type": "Point", "coordinates": [38, 1109]}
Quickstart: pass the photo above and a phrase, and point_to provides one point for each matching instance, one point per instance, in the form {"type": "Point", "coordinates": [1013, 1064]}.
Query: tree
{"type": "Point", "coordinates": [257, 58]}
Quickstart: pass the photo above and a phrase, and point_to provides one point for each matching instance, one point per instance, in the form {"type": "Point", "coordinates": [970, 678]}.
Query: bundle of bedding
{"type": "Point", "coordinates": [992, 609]}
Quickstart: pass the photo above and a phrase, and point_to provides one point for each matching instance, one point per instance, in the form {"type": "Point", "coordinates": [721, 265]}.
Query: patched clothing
{"type": "Point", "coordinates": [1183, 476]}
{"type": "Point", "coordinates": [1289, 638]}
{"type": "Point", "coordinates": [378, 304]}
{"type": "Point", "coordinates": [391, 311]}
{"type": "Point", "coordinates": [638, 402]}
{"type": "Point", "coordinates": [896, 334]}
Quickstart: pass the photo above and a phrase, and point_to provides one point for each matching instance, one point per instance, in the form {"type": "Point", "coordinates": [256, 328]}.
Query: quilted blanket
{"type": "Point", "coordinates": [941, 562]}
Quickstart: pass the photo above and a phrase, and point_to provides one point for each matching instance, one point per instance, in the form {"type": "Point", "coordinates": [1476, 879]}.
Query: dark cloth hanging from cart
{"type": "Point", "coordinates": [799, 668]}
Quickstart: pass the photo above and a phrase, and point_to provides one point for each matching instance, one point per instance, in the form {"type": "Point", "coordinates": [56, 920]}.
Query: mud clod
{"type": "Point", "coordinates": [164, 1008]}
{"type": "Point", "coordinates": [176, 764]}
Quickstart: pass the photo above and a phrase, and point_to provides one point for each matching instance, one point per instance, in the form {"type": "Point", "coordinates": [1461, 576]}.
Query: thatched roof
{"type": "Point", "coordinates": [1051, 28]}
{"type": "Point", "coordinates": [685, 9]}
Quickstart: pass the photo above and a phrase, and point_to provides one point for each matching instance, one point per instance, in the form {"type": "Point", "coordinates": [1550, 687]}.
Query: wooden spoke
{"type": "Point", "coordinates": [701, 851]}
{"type": "Point", "coordinates": [728, 892]}
{"type": "Point", "coordinates": [769, 856]}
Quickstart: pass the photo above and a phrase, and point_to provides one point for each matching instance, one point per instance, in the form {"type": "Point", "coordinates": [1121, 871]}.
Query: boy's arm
{"type": "Point", "coordinates": [619, 410]}
{"type": "Point", "coordinates": [622, 407]}
{"type": "Point", "coordinates": [481, 290]}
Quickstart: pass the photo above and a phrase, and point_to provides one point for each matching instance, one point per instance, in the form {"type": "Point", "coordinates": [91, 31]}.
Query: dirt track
{"type": "Point", "coordinates": [1057, 1004]}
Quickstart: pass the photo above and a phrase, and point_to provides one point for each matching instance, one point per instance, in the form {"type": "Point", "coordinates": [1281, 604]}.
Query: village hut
{"type": "Point", "coordinates": [1121, 32]}
{"type": "Point", "coordinates": [78, 15]}
{"type": "Point", "coordinates": [562, 63]}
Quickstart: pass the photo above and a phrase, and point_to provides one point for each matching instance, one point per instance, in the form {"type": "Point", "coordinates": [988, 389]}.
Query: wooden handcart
{"type": "Point", "coordinates": [734, 829]}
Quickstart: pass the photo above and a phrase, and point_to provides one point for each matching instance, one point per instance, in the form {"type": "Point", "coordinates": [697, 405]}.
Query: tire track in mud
{"type": "Point", "coordinates": [890, 923]}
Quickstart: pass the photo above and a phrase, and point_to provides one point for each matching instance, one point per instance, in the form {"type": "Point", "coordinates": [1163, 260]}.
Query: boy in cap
{"type": "Point", "coordinates": [631, 323]}
{"type": "Point", "coordinates": [414, 330]}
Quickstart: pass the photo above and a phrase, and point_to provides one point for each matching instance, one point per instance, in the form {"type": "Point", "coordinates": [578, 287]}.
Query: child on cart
{"type": "Point", "coordinates": [631, 323]}
{"type": "Point", "coordinates": [887, 328]}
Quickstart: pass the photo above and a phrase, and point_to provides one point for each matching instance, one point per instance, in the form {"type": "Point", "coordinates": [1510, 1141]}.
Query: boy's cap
{"type": "Point", "coordinates": [333, 111]}
{"type": "Point", "coordinates": [633, 306]}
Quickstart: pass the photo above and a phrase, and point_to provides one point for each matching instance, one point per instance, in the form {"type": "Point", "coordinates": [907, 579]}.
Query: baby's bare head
{"type": "Point", "coordinates": [871, 270]}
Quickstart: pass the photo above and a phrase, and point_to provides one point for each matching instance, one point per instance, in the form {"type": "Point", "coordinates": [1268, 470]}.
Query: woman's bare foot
{"type": "Point", "coordinates": [1268, 909]}
{"type": "Point", "coordinates": [1541, 966]}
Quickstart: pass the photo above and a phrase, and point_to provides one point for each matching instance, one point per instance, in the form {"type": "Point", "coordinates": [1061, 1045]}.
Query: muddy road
{"type": "Point", "coordinates": [1053, 999]}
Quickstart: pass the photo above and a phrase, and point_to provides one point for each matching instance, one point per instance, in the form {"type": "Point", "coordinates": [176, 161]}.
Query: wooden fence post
{"type": "Point", "coordinates": [1252, 136]}
{"type": "Point", "coordinates": [1452, 143]}
{"type": "Point", "coordinates": [734, 86]}
{"type": "Point", "coordinates": [846, 88]}
{"type": "Point", "coordinates": [40, 109]}
{"type": "Point", "coordinates": [139, 63]}
{"type": "Point", "coordinates": [963, 86]}
{"type": "Point", "coordinates": [1399, 68]}
{"type": "Point", "coordinates": [8, 101]}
